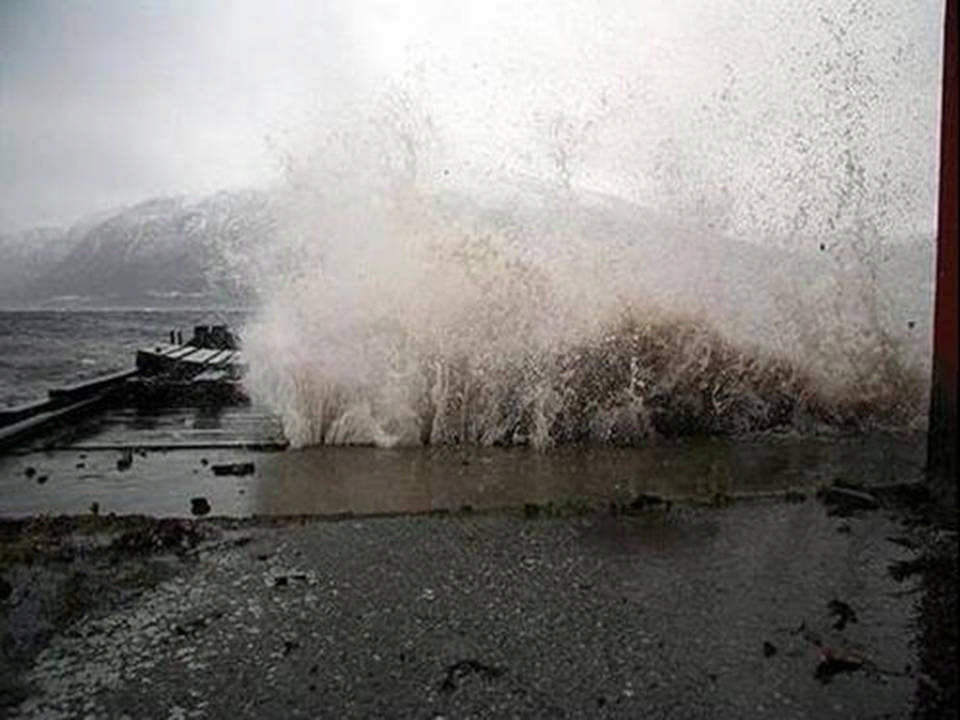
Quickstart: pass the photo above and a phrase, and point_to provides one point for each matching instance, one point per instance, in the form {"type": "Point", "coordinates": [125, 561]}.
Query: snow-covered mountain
{"type": "Point", "coordinates": [162, 252]}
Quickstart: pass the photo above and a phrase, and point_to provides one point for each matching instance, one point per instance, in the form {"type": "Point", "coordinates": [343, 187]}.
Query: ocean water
{"type": "Point", "coordinates": [40, 349]}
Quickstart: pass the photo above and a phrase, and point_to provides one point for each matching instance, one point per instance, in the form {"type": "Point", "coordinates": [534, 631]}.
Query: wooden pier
{"type": "Point", "coordinates": [203, 372]}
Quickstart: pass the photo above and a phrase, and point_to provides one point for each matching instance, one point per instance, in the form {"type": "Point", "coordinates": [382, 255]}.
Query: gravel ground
{"type": "Point", "coordinates": [761, 608]}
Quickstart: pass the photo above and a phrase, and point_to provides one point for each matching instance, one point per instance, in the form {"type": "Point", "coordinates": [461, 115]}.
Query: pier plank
{"type": "Point", "coordinates": [85, 388]}
{"type": "Point", "coordinates": [201, 356]}
{"type": "Point", "coordinates": [182, 352]}
{"type": "Point", "coordinates": [221, 358]}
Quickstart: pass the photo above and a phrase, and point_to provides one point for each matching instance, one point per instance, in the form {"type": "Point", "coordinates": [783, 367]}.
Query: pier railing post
{"type": "Point", "coordinates": [943, 431]}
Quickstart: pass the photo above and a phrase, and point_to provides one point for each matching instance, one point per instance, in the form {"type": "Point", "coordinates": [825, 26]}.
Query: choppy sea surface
{"type": "Point", "coordinates": [40, 349]}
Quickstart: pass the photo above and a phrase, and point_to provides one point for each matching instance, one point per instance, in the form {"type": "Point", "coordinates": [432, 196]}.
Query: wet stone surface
{"type": "Point", "coordinates": [666, 613]}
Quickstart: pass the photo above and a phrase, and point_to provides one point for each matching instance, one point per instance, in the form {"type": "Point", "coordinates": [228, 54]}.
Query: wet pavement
{"type": "Point", "coordinates": [686, 612]}
{"type": "Point", "coordinates": [148, 463]}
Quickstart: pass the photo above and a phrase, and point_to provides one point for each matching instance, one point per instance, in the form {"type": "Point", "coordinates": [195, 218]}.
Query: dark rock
{"type": "Point", "coordinates": [199, 506]}
{"type": "Point", "coordinates": [246, 468]}
{"type": "Point", "coordinates": [289, 646]}
{"type": "Point", "coordinates": [6, 589]}
{"type": "Point", "coordinates": [204, 462]}
{"type": "Point", "coordinates": [769, 649]}
{"type": "Point", "coordinates": [900, 571]}
{"type": "Point", "coordinates": [844, 613]}
{"type": "Point", "coordinates": [167, 534]}
{"type": "Point", "coordinates": [81, 466]}
{"type": "Point", "coordinates": [94, 508]}
{"type": "Point", "coordinates": [125, 461]}
{"type": "Point", "coordinates": [644, 501]}
{"type": "Point", "coordinates": [30, 472]}
{"type": "Point", "coordinates": [172, 533]}
{"type": "Point", "coordinates": [837, 661]}
{"type": "Point", "coordinates": [903, 542]}
{"type": "Point", "coordinates": [531, 510]}
{"type": "Point", "coordinates": [843, 501]}
{"type": "Point", "coordinates": [41, 479]}
{"type": "Point", "coordinates": [462, 668]}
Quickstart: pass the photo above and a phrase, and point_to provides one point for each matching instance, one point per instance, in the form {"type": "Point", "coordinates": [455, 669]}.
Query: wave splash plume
{"type": "Point", "coordinates": [398, 313]}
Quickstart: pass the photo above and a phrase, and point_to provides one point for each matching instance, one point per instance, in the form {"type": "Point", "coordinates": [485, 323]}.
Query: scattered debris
{"type": "Point", "coordinates": [199, 506]}
{"type": "Point", "coordinates": [769, 649]}
{"type": "Point", "coordinates": [844, 613]}
{"type": "Point", "coordinates": [643, 501]}
{"type": "Point", "coordinates": [30, 471]}
{"type": "Point", "coordinates": [843, 501]}
{"type": "Point", "coordinates": [833, 661]}
{"type": "Point", "coordinates": [903, 542]}
{"type": "Point", "coordinates": [204, 462]}
{"type": "Point", "coordinates": [246, 468]}
{"type": "Point", "coordinates": [900, 571]}
{"type": "Point", "coordinates": [81, 466]}
{"type": "Point", "coordinates": [428, 595]}
{"type": "Point", "coordinates": [41, 479]}
{"type": "Point", "coordinates": [289, 646]}
{"type": "Point", "coordinates": [463, 668]}
{"type": "Point", "coordinates": [125, 461]}
{"type": "Point", "coordinates": [283, 578]}
{"type": "Point", "coordinates": [167, 534]}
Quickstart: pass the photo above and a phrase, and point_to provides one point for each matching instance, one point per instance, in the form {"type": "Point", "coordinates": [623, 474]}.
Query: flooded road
{"type": "Point", "coordinates": [173, 457]}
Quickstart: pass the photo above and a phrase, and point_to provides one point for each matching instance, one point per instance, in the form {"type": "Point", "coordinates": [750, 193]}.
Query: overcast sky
{"type": "Point", "coordinates": [109, 102]}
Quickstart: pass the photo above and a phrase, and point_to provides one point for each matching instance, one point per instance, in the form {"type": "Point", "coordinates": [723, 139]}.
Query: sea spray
{"type": "Point", "coordinates": [438, 321]}
{"type": "Point", "coordinates": [414, 294]}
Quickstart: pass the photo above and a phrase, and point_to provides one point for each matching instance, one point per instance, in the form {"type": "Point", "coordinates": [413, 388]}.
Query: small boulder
{"type": "Point", "coordinates": [199, 506]}
{"type": "Point", "coordinates": [833, 661]}
{"type": "Point", "coordinates": [125, 461]}
{"type": "Point", "coordinates": [239, 469]}
{"type": "Point", "coordinates": [843, 612]}
{"type": "Point", "coordinates": [843, 500]}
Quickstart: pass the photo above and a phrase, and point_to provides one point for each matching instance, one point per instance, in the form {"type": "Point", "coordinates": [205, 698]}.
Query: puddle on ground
{"type": "Point", "coordinates": [365, 481]}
